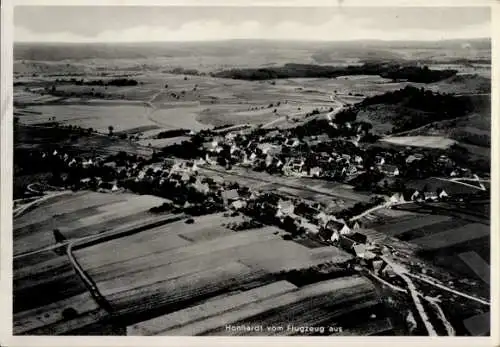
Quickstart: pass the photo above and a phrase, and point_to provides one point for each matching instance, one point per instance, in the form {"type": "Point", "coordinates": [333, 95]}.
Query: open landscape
{"type": "Point", "coordinates": [252, 187]}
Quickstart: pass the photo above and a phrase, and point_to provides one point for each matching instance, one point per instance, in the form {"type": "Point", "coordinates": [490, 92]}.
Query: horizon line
{"type": "Point", "coordinates": [249, 39]}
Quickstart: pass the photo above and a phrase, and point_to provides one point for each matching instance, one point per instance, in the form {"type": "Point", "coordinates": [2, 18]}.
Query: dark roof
{"type": "Point", "coordinates": [358, 237]}
{"type": "Point", "coordinates": [326, 233]}
{"type": "Point", "coordinates": [334, 225]}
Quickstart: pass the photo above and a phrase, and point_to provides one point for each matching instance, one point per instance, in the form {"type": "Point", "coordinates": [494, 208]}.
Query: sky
{"type": "Point", "coordinates": [335, 23]}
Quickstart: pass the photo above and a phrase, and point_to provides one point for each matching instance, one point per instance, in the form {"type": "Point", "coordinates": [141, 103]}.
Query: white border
{"type": "Point", "coordinates": [6, 338]}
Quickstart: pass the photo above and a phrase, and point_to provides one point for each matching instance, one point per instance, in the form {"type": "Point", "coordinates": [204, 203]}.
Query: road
{"type": "Point", "coordinates": [481, 187]}
{"type": "Point", "coordinates": [340, 107]}
{"type": "Point", "coordinates": [402, 273]}
{"type": "Point", "coordinates": [87, 280]}
{"type": "Point", "coordinates": [329, 115]}
{"type": "Point", "coordinates": [434, 302]}
{"type": "Point", "coordinates": [19, 211]}
{"type": "Point", "coordinates": [456, 292]}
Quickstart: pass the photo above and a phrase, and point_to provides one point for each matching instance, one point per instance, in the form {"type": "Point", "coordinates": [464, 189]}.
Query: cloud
{"type": "Point", "coordinates": [338, 28]}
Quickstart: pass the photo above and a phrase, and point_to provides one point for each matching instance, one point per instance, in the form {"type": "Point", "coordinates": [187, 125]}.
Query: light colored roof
{"type": "Point", "coordinates": [230, 194]}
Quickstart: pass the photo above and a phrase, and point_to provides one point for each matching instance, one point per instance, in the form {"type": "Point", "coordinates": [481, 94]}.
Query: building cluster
{"type": "Point", "coordinates": [320, 156]}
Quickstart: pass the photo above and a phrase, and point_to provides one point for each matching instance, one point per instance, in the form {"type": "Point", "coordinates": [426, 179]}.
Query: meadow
{"type": "Point", "coordinates": [78, 215]}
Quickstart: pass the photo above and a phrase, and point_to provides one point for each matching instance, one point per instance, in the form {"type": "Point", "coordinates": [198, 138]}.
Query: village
{"type": "Point", "coordinates": [191, 189]}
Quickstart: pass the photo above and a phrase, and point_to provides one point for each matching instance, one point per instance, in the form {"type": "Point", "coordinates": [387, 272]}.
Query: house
{"type": "Point", "coordinates": [238, 204]}
{"type": "Point", "coordinates": [379, 160]}
{"type": "Point", "coordinates": [353, 225]}
{"type": "Point", "coordinates": [292, 142]}
{"type": "Point", "coordinates": [351, 170]}
{"type": "Point", "coordinates": [416, 196]}
{"type": "Point", "coordinates": [388, 271]}
{"type": "Point", "coordinates": [286, 207]}
{"type": "Point", "coordinates": [442, 194]}
{"type": "Point", "coordinates": [305, 210]}
{"type": "Point", "coordinates": [269, 148]}
{"type": "Point", "coordinates": [185, 177]}
{"type": "Point", "coordinates": [443, 159]}
{"type": "Point", "coordinates": [201, 187]}
{"type": "Point", "coordinates": [269, 160]}
{"type": "Point", "coordinates": [294, 167]}
{"type": "Point", "coordinates": [87, 163]}
{"type": "Point", "coordinates": [230, 195]}
{"type": "Point", "coordinates": [322, 218]}
{"type": "Point", "coordinates": [110, 164]}
{"type": "Point", "coordinates": [106, 185]}
{"type": "Point", "coordinates": [335, 225]}
{"type": "Point", "coordinates": [310, 228]}
{"type": "Point", "coordinates": [378, 265]}
{"type": "Point", "coordinates": [391, 170]}
{"type": "Point", "coordinates": [329, 234]}
{"type": "Point", "coordinates": [230, 136]}
{"type": "Point", "coordinates": [315, 171]}
{"type": "Point", "coordinates": [361, 251]}
{"type": "Point", "coordinates": [347, 157]}
{"type": "Point", "coordinates": [428, 196]}
{"type": "Point", "coordinates": [397, 198]}
{"type": "Point", "coordinates": [348, 241]}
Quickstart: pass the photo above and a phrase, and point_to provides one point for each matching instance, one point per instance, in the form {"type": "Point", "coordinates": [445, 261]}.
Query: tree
{"type": "Point", "coordinates": [69, 313]}
{"type": "Point", "coordinates": [59, 237]}
{"type": "Point", "coordinates": [111, 128]}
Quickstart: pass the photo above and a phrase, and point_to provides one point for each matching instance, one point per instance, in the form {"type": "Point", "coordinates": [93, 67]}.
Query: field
{"type": "Point", "coordinates": [98, 117]}
{"type": "Point", "coordinates": [421, 141]}
{"type": "Point", "coordinates": [52, 275]}
{"type": "Point", "coordinates": [330, 193]}
{"type": "Point", "coordinates": [171, 101]}
{"type": "Point", "coordinates": [266, 306]}
{"type": "Point", "coordinates": [196, 270]}
{"type": "Point", "coordinates": [195, 103]}
{"type": "Point", "coordinates": [477, 265]}
{"type": "Point", "coordinates": [453, 237]}
{"type": "Point", "coordinates": [42, 137]}
{"type": "Point", "coordinates": [78, 215]}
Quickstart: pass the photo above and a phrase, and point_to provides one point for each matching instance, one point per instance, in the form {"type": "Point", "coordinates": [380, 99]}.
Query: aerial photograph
{"type": "Point", "coordinates": [251, 171]}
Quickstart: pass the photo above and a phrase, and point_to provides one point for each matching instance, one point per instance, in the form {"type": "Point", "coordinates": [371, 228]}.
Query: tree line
{"type": "Point", "coordinates": [393, 71]}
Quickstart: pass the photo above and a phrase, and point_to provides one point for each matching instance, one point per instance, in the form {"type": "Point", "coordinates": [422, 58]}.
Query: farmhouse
{"type": "Point", "coordinates": [391, 170]}
{"type": "Point", "coordinates": [397, 198]}
{"type": "Point", "coordinates": [315, 171]}
{"type": "Point", "coordinates": [286, 207]}
{"type": "Point", "coordinates": [292, 142]}
{"type": "Point", "coordinates": [348, 242]}
{"type": "Point", "coordinates": [309, 227]}
{"type": "Point", "coordinates": [329, 234]}
{"type": "Point", "coordinates": [238, 204]}
{"type": "Point", "coordinates": [230, 195]}
{"type": "Point", "coordinates": [341, 228]}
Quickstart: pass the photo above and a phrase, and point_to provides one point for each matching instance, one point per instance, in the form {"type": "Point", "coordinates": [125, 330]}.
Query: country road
{"type": "Point", "coordinates": [329, 115]}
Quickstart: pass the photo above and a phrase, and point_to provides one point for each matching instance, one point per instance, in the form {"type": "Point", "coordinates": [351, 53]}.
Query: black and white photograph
{"type": "Point", "coordinates": [251, 171]}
